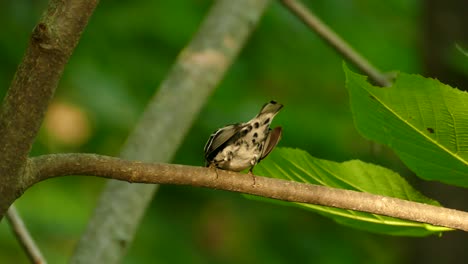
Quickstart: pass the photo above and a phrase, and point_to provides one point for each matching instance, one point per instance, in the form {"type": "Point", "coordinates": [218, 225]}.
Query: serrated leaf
{"type": "Point", "coordinates": [423, 120]}
{"type": "Point", "coordinates": [298, 165]}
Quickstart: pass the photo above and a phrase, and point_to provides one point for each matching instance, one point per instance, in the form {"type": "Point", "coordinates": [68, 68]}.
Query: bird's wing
{"type": "Point", "coordinates": [271, 141]}
{"type": "Point", "coordinates": [221, 136]}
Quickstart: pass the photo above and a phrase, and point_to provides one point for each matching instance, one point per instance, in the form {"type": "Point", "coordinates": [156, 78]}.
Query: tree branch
{"type": "Point", "coordinates": [24, 238]}
{"type": "Point", "coordinates": [334, 40]}
{"type": "Point", "coordinates": [170, 114]}
{"type": "Point", "coordinates": [56, 165]}
{"type": "Point", "coordinates": [33, 86]}
{"type": "Point", "coordinates": [51, 45]}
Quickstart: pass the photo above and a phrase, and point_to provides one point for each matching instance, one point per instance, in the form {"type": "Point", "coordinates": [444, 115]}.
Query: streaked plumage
{"type": "Point", "coordinates": [240, 146]}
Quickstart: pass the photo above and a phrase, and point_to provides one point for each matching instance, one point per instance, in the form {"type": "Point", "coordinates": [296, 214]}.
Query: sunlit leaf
{"type": "Point", "coordinates": [423, 120]}
{"type": "Point", "coordinates": [298, 165]}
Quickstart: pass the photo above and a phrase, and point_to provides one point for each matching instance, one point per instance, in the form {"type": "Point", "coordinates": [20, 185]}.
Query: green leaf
{"type": "Point", "coordinates": [298, 165]}
{"type": "Point", "coordinates": [423, 120]}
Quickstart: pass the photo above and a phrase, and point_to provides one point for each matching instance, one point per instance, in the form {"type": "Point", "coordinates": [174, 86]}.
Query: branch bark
{"type": "Point", "coordinates": [48, 166]}
{"type": "Point", "coordinates": [335, 41]}
{"type": "Point", "coordinates": [163, 126]}
{"type": "Point", "coordinates": [51, 45]}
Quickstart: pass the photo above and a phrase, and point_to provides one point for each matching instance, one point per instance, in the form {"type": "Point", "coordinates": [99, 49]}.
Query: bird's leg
{"type": "Point", "coordinates": [212, 166]}
{"type": "Point", "coordinates": [251, 174]}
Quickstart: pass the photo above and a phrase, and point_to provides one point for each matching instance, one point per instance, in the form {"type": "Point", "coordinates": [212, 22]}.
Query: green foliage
{"type": "Point", "coordinates": [298, 165]}
{"type": "Point", "coordinates": [118, 66]}
{"type": "Point", "coordinates": [423, 120]}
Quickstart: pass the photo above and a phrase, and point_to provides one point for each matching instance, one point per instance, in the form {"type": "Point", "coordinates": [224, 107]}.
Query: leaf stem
{"type": "Point", "coordinates": [334, 40]}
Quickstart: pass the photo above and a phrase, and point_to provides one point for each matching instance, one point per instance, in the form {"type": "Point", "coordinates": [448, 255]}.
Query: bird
{"type": "Point", "coordinates": [240, 146]}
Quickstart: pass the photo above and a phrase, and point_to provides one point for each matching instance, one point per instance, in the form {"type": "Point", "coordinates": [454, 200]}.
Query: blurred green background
{"type": "Point", "coordinates": [125, 53]}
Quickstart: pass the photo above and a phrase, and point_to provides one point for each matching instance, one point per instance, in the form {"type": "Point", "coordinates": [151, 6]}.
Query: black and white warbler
{"type": "Point", "coordinates": [240, 146]}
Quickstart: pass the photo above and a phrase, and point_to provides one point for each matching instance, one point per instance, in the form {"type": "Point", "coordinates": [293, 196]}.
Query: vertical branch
{"type": "Point", "coordinates": [51, 45]}
{"type": "Point", "coordinates": [341, 46]}
{"type": "Point", "coordinates": [23, 236]}
{"type": "Point", "coordinates": [169, 115]}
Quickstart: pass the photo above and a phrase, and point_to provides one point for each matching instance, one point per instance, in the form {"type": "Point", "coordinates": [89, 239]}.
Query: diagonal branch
{"type": "Point", "coordinates": [48, 166]}
{"type": "Point", "coordinates": [194, 76]}
{"type": "Point", "coordinates": [334, 40]}
{"type": "Point", "coordinates": [23, 236]}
